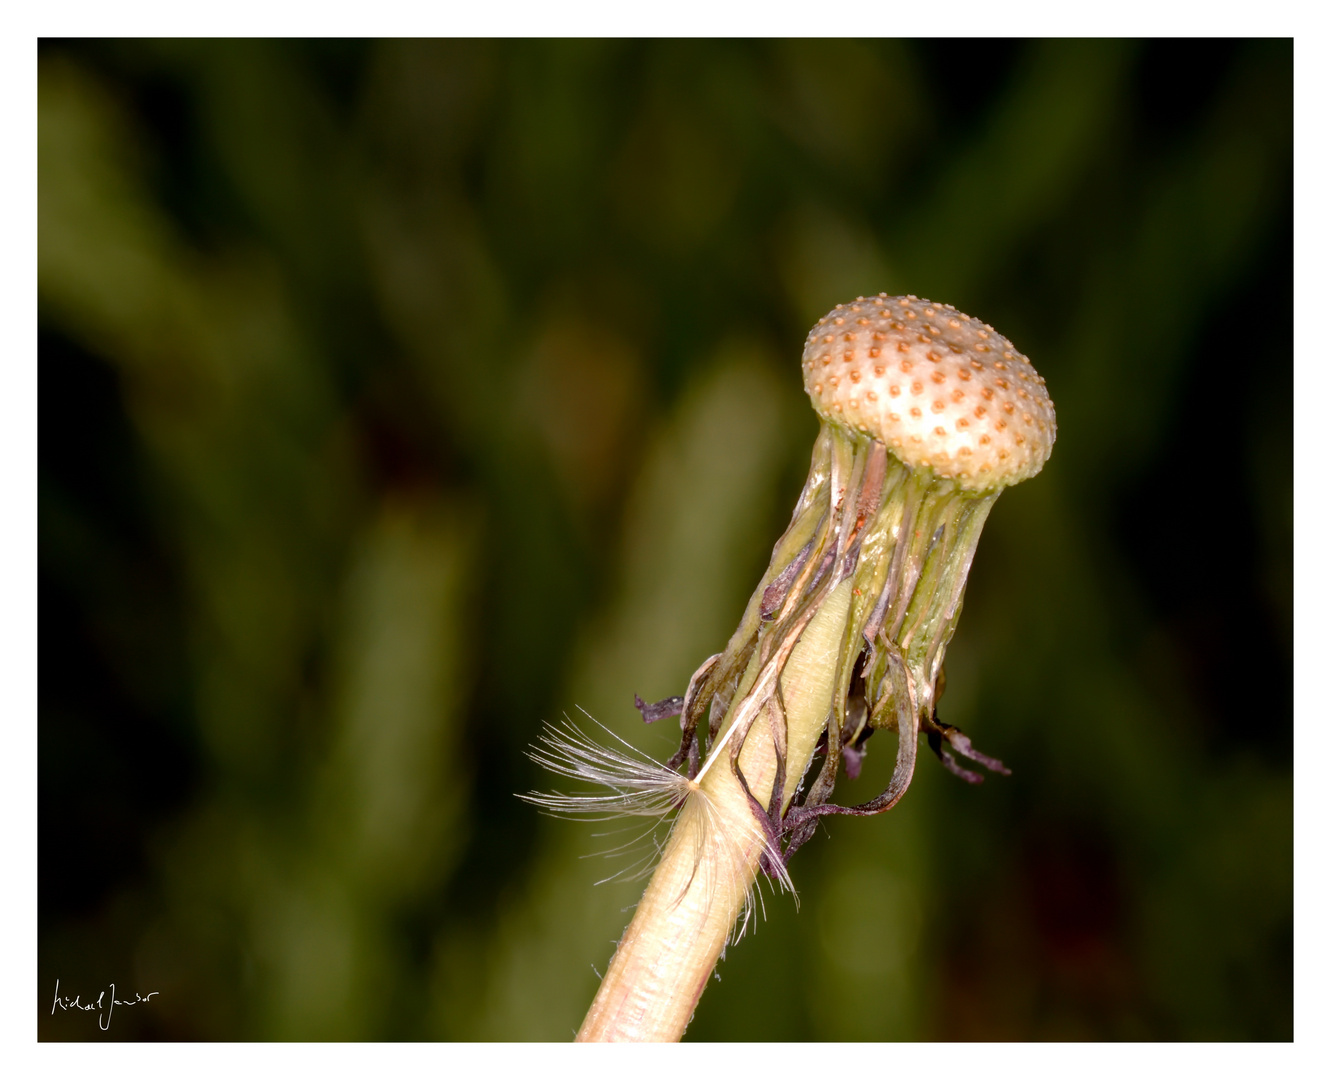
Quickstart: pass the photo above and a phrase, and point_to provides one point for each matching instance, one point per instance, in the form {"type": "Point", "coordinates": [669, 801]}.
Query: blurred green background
{"type": "Point", "coordinates": [397, 397]}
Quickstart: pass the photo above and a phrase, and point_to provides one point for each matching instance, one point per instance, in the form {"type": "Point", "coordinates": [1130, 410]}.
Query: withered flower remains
{"type": "Point", "coordinates": [927, 415]}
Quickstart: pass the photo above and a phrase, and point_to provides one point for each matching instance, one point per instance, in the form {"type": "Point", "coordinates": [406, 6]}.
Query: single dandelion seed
{"type": "Point", "coordinates": [844, 636]}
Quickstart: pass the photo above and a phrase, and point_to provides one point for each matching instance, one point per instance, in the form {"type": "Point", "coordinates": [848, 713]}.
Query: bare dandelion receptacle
{"type": "Point", "coordinates": [927, 415]}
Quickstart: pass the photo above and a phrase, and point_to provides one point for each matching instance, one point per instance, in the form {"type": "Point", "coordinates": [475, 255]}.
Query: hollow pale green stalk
{"type": "Point", "coordinates": [703, 882]}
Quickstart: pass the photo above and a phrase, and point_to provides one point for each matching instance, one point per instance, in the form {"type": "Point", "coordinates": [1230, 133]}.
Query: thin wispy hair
{"type": "Point", "coordinates": [633, 784]}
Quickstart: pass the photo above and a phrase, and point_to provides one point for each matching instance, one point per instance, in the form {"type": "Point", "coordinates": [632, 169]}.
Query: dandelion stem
{"type": "Point", "coordinates": [703, 881]}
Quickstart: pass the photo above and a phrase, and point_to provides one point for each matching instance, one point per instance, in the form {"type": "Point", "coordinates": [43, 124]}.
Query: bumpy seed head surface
{"type": "Point", "coordinates": [942, 390]}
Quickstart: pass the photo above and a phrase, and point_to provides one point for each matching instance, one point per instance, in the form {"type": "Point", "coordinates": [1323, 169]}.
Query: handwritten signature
{"type": "Point", "coordinates": [104, 1006]}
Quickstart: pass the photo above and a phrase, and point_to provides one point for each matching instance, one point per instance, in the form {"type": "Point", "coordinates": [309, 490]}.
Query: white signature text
{"type": "Point", "coordinates": [104, 1006]}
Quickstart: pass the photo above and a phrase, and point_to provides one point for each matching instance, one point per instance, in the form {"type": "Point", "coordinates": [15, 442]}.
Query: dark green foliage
{"type": "Point", "coordinates": [397, 397]}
